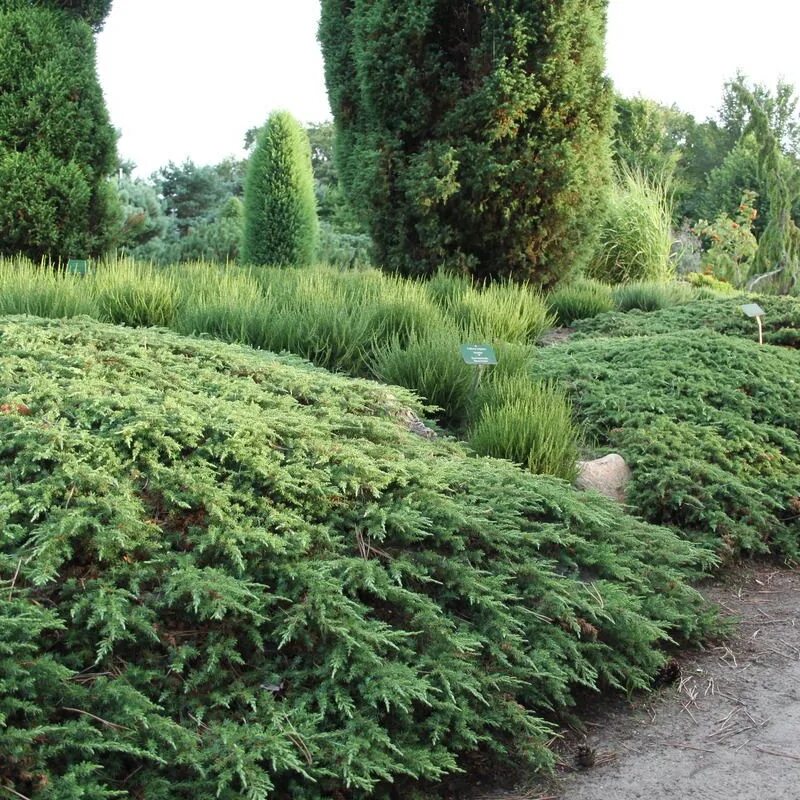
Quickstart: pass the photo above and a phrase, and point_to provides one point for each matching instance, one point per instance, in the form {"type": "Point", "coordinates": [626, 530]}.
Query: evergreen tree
{"type": "Point", "coordinates": [92, 11]}
{"type": "Point", "coordinates": [726, 183]}
{"type": "Point", "coordinates": [280, 217]}
{"type": "Point", "coordinates": [57, 147]}
{"type": "Point", "coordinates": [778, 255]}
{"type": "Point", "coordinates": [144, 222]}
{"type": "Point", "coordinates": [471, 135]}
{"type": "Point", "coordinates": [219, 239]}
{"type": "Point", "coordinates": [193, 194]}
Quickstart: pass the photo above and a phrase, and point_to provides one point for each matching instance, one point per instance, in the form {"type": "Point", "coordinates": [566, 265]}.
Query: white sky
{"type": "Point", "coordinates": [187, 78]}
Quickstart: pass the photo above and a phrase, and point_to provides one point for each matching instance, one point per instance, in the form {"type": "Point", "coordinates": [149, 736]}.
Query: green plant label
{"type": "Point", "coordinates": [78, 266]}
{"type": "Point", "coordinates": [478, 354]}
{"type": "Point", "coordinates": [753, 310]}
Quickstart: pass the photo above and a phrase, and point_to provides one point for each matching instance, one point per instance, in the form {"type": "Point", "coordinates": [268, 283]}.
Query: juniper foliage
{"type": "Point", "coordinates": [709, 423]}
{"type": "Point", "coordinates": [781, 321]}
{"type": "Point", "coordinates": [581, 299]}
{"type": "Point", "coordinates": [94, 12]}
{"type": "Point", "coordinates": [229, 574]}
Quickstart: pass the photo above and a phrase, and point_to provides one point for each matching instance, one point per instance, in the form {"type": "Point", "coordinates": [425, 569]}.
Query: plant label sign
{"type": "Point", "coordinates": [78, 266]}
{"type": "Point", "coordinates": [753, 310]}
{"type": "Point", "coordinates": [478, 354]}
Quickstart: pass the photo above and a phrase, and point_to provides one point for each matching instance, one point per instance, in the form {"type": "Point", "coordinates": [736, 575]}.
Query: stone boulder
{"type": "Point", "coordinates": [608, 475]}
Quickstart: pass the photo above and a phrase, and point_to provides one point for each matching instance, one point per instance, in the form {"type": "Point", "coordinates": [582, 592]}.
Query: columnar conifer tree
{"type": "Point", "coordinates": [471, 133]}
{"type": "Point", "coordinates": [280, 215]}
{"type": "Point", "coordinates": [93, 12]}
{"type": "Point", "coordinates": [778, 255]}
{"type": "Point", "coordinates": [57, 147]}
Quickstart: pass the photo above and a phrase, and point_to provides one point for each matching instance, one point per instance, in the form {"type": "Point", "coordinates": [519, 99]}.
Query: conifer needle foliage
{"type": "Point", "coordinates": [280, 211]}
{"type": "Point", "coordinates": [781, 320]}
{"type": "Point", "coordinates": [709, 423]}
{"type": "Point", "coordinates": [225, 574]}
{"type": "Point", "coordinates": [57, 146]}
{"type": "Point", "coordinates": [475, 135]}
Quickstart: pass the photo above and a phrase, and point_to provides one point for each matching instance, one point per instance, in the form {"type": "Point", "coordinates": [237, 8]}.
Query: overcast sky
{"type": "Point", "coordinates": [187, 78]}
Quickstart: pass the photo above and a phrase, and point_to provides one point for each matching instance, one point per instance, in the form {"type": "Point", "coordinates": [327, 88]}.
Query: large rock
{"type": "Point", "coordinates": [608, 475]}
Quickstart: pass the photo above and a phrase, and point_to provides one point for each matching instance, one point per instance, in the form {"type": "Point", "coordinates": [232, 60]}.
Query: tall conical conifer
{"type": "Point", "coordinates": [280, 213]}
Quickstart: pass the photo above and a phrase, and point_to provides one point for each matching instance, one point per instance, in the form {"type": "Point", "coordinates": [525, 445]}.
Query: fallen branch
{"type": "Point", "coordinates": [753, 282]}
{"type": "Point", "coordinates": [14, 581]}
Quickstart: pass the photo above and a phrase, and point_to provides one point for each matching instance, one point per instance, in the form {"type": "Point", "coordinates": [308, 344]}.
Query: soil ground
{"type": "Point", "coordinates": [727, 728]}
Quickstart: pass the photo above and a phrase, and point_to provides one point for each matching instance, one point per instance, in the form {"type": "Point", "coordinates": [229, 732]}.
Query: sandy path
{"type": "Point", "coordinates": [727, 729]}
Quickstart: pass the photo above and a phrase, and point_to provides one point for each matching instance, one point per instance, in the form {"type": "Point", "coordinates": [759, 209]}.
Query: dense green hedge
{"type": "Point", "coordinates": [709, 423]}
{"type": "Point", "coordinates": [228, 574]}
{"type": "Point", "coordinates": [473, 136]}
{"type": "Point", "coordinates": [57, 145]}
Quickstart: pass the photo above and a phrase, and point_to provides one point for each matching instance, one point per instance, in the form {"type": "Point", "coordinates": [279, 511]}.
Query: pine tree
{"type": "Point", "coordinates": [473, 135]}
{"type": "Point", "coordinates": [57, 147]}
{"type": "Point", "coordinates": [280, 216]}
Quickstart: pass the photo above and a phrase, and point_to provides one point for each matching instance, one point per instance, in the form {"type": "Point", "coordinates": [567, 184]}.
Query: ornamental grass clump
{"type": "Point", "coordinates": [710, 425]}
{"type": "Point", "coordinates": [581, 299]}
{"type": "Point", "coordinates": [446, 288]}
{"type": "Point", "coordinates": [430, 364]}
{"type": "Point", "coordinates": [528, 422]}
{"type": "Point", "coordinates": [42, 290]}
{"type": "Point", "coordinates": [135, 294]}
{"type": "Point", "coordinates": [313, 316]}
{"type": "Point", "coordinates": [636, 232]}
{"type": "Point", "coordinates": [399, 309]}
{"type": "Point", "coordinates": [651, 295]}
{"type": "Point", "coordinates": [226, 303]}
{"type": "Point", "coordinates": [226, 574]}
{"type": "Point", "coordinates": [505, 312]}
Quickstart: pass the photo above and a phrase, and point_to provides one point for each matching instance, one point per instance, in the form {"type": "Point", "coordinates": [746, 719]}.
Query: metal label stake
{"type": "Point", "coordinates": [755, 310]}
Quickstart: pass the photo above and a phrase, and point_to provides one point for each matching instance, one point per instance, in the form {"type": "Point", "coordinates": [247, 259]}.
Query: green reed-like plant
{"type": "Point", "coordinates": [506, 312]}
{"type": "Point", "coordinates": [135, 294]}
{"type": "Point", "coordinates": [226, 303]}
{"type": "Point", "coordinates": [430, 364]}
{"type": "Point", "coordinates": [528, 422]}
{"type": "Point", "coordinates": [636, 232]}
{"type": "Point", "coordinates": [651, 295]}
{"type": "Point", "coordinates": [43, 290]}
{"type": "Point", "coordinates": [582, 299]}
